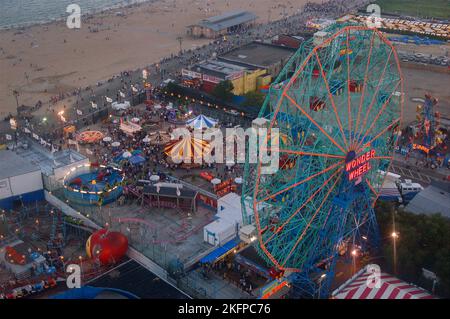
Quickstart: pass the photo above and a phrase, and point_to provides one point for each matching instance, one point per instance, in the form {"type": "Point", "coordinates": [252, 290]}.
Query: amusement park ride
{"type": "Point", "coordinates": [339, 100]}
{"type": "Point", "coordinates": [428, 119]}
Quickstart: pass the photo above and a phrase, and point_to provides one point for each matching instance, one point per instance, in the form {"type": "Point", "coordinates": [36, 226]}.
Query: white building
{"type": "Point", "coordinates": [54, 166]}
{"type": "Point", "coordinates": [20, 180]}
{"type": "Point", "coordinates": [228, 223]}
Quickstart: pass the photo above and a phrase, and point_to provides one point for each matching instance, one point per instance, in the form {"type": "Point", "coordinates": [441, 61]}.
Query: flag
{"type": "Point", "coordinates": [93, 105]}
{"type": "Point", "coordinates": [79, 112]}
{"type": "Point", "coordinates": [108, 99]}
{"type": "Point", "coordinates": [13, 123]}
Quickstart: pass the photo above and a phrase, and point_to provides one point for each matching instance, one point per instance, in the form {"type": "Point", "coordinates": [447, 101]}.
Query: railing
{"type": "Point", "coordinates": [193, 187]}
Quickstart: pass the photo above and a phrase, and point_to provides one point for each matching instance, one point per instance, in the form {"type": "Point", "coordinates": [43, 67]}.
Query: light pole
{"type": "Point", "coordinates": [394, 239]}
{"type": "Point", "coordinates": [16, 96]}
{"type": "Point", "coordinates": [354, 254]}
{"type": "Point", "coordinates": [81, 267]}
{"type": "Point", "coordinates": [394, 236]}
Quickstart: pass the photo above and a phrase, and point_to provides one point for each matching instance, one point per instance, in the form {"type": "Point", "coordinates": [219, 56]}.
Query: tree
{"type": "Point", "coordinates": [254, 98]}
{"type": "Point", "coordinates": [224, 91]}
{"type": "Point", "coordinates": [424, 242]}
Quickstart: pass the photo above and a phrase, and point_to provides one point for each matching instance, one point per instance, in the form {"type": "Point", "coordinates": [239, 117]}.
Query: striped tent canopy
{"type": "Point", "coordinates": [187, 150]}
{"type": "Point", "coordinates": [389, 287]}
{"type": "Point", "coordinates": [201, 122]}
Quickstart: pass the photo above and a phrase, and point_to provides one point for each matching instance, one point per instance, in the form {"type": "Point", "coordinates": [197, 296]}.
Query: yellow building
{"type": "Point", "coordinates": [244, 79]}
{"type": "Point", "coordinates": [250, 80]}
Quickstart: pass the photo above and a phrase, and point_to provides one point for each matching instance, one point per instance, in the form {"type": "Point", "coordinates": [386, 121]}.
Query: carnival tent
{"type": "Point", "coordinates": [187, 149]}
{"type": "Point", "coordinates": [201, 122]}
{"type": "Point", "coordinates": [364, 286]}
{"type": "Point", "coordinates": [120, 106]}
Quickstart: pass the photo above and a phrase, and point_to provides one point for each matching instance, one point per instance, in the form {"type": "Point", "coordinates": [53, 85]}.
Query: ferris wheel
{"type": "Point", "coordinates": [339, 102]}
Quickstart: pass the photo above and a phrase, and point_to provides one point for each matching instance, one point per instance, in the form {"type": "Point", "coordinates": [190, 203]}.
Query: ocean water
{"type": "Point", "coordinates": [16, 13]}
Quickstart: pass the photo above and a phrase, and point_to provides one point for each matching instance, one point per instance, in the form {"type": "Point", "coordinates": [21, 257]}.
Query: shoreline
{"type": "Point", "coordinates": [90, 14]}
{"type": "Point", "coordinates": [45, 60]}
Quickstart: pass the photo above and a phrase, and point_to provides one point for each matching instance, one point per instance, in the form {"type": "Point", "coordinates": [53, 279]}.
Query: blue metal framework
{"type": "Point", "coordinates": [338, 102]}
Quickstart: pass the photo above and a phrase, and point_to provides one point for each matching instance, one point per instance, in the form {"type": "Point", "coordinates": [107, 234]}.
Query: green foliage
{"type": "Point", "coordinates": [171, 87]}
{"type": "Point", "coordinates": [424, 242]}
{"type": "Point", "coordinates": [224, 91]}
{"type": "Point", "coordinates": [417, 8]}
{"type": "Point", "coordinates": [253, 98]}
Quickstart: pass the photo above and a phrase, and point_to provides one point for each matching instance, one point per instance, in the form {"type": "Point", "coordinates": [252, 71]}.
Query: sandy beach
{"type": "Point", "coordinates": [44, 60]}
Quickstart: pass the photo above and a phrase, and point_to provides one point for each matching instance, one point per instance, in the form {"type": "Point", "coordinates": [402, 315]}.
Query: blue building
{"type": "Point", "coordinates": [20, 180]}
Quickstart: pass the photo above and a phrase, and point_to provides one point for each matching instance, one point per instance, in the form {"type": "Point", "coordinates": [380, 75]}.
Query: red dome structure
{"type": "Point", "coordinates": [106, 247]}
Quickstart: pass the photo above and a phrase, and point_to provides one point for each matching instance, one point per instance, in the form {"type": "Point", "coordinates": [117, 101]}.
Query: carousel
{"type": "Point", "coordinates": [157, 138]}
{"type": "Point", "coordinates": [89, 137]}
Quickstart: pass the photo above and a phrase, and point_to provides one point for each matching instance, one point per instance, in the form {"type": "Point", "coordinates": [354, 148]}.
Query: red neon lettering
{"type": "Point", "coordinates": [359, 165]}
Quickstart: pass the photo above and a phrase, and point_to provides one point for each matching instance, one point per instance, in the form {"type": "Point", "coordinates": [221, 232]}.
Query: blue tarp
{"type": "Point", "coordinates": [220, 251]}
{"type": "Point", "coordinates": [136, 160]}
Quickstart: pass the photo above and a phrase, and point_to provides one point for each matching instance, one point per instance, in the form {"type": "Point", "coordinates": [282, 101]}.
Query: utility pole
{"type": "Point", "coordinates": [16, 96]}
{"type": "Point", "coordinates": [180, 40]}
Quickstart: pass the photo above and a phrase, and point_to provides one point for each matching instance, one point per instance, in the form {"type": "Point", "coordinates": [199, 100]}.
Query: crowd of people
{"type": "Point", "coordinates": [234, 273]}
{"type": "Point", "coordinates": [170, 67]}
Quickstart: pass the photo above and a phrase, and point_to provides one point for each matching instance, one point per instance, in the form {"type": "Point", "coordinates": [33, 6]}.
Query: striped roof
{"type": "Point", "coordinates": [187, 149]}
{"type": "Point", "coordinates": [389, 287]}
{"type": "Point", "coordinates": [201, 122]}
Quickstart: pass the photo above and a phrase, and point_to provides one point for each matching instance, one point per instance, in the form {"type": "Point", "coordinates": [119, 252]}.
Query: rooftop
{"type": "Point", "coordinates": [433, 199]}
{"type": "Point", "coordinates": [132, 277]}
{"type": "Point", "coordinates": [217, 68]}
{"type": "Point", "coordinates": [258, 54]}
{"type": "Point", "coordinates": [169, 192]}
{"type": "Point", "coordinates": [13, 165]}
{"type": "Point", "coordinates": [47, 161]}
{"type": "Point", "coordinates": [227, 20]}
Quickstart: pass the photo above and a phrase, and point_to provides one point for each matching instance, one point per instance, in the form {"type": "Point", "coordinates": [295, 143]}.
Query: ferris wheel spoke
{"type": "Point", "coordinates": [383, 157]}
{"type": "Point", "coordinates": [371, 187]}
{"type": "Point", "coordinates": [301, 182]}
{"type": "Point", "coordinates": [366, 73]}
{"type": "Point", "coordinates": [330, 97]}
{"type": "Point", "coordinates": [372, 102]}
{"type": "Point", "coordinates": [374, 121]}
{"type": "Point", "coordinates": [379, 134]}
{"type": "Point", "coordinates": [281, 227]}
{"type": "Point", "coordinates": [348, 88]}
{"type": "Point", "coordinates": [301, 153]}
{"type": "Point", "coordinates": [315, 123]}
{"type": "Point", "coordinates": [310, 222]}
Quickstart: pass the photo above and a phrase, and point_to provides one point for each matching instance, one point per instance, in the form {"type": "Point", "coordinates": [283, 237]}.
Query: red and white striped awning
{"type": "Point", "coordinates": [389, 287]}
